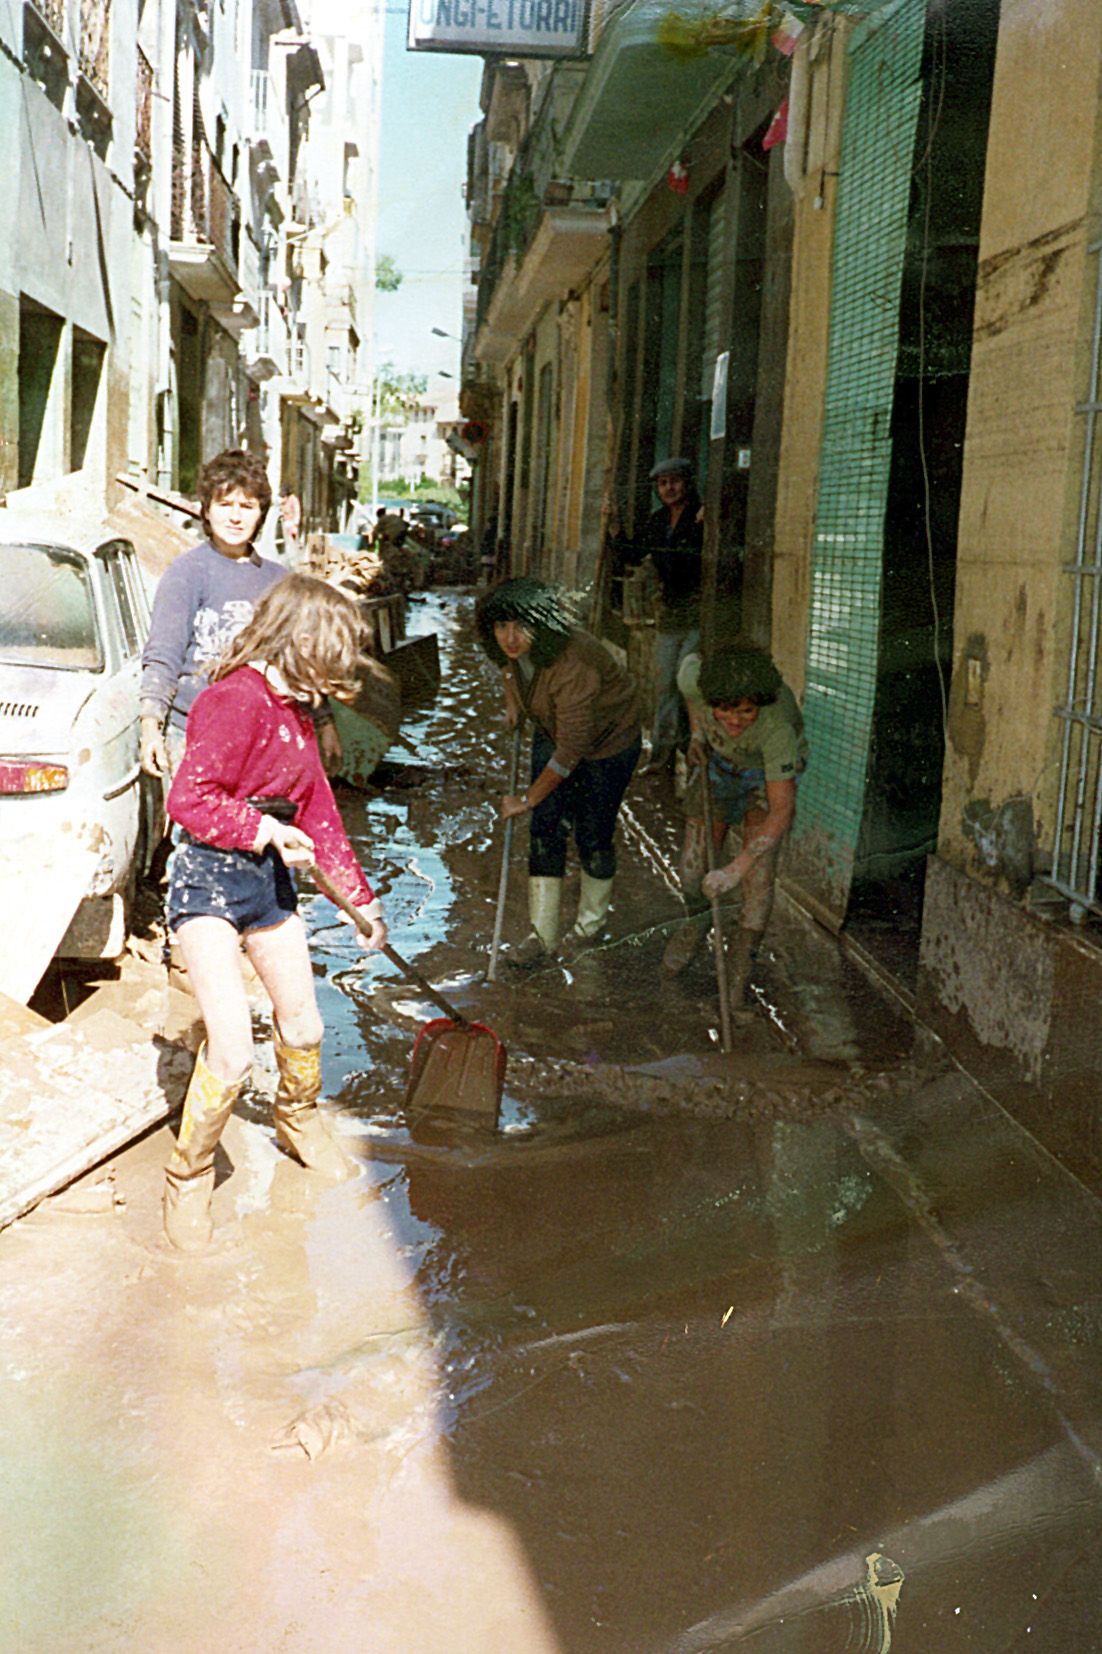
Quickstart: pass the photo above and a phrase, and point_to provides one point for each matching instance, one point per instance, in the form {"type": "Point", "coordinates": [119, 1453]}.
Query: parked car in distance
{"type": "Point", "coordinates": [433, 515]}
{"type": "Point", "coordinates": [77, 823]}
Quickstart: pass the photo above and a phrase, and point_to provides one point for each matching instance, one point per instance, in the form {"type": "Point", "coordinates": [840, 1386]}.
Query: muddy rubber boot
{"type": "Point", "coordinates": [686, 942]}
{"type": "Point", "coordinates": [594, 901]}
{"type": "Point", "coordinates": [300, 1126]}
{"type": "Point", "coordinates": [544, 900]}
{"type": "Point", "coordinates": [745, 948]}
{"type": "Point", "coordinates": [189, 1175]}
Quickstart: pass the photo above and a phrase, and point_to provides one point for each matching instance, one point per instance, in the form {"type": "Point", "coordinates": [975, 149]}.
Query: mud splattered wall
{"type": "Point", "coordinates": [1022, 449]}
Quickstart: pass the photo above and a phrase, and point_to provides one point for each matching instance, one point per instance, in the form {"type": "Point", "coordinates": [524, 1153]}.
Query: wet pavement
{"type": "Point", "coordinates": [796, 1348]}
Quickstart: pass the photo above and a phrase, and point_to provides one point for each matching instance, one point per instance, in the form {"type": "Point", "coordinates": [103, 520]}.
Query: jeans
{"type": "Point", "coordinates": [671, 721]}
{"type": "Point", "coordinates": [589, 801]}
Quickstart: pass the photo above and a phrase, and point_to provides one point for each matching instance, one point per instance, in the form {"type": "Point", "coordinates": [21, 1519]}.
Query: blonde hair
{"type": "Point", "coordinates": [296, 606]}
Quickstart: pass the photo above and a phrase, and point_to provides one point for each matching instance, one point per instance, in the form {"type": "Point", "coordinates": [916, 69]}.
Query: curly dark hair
{"type": "Point", "coordinates": [739, 675]}
{"type": "Point", "coordinates": [540, 610]}
{"type": "Point", "coordinates": [234, 468]}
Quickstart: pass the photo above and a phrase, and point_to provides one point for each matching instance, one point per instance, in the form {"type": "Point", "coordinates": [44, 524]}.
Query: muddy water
{"type": "Point", "coordinates": [695, 1347]}
{"type": "Point", "coordinates": [796, 1348]}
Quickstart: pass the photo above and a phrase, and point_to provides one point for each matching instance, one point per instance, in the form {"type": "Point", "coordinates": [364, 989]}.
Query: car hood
{"type": "Point", "coordinates": [38, 706]}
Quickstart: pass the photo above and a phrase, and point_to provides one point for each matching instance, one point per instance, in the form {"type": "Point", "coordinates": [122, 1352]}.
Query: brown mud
{"type": "Point", "coordinates": [796, 1348]}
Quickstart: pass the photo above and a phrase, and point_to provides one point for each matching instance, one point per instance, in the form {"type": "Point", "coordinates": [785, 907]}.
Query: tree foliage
{"type": "Point", "coordinates": [397, 392]}
{"type": "Point", "coordinates": [388, 277]}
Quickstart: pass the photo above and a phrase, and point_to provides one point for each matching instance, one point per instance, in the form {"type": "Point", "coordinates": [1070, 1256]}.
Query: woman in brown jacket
{"type": "Point", "coordinates": [585, 745]}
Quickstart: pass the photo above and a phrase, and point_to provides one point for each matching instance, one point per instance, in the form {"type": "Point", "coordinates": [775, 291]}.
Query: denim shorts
{"type": "Point", "coordinates": [251, 892]}
{"type": "Point", "coordinates": [734, 792]}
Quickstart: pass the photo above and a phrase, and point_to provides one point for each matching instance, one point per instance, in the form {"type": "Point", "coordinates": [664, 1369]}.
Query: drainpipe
{"type": "Point", "coordinates": [161, 145]}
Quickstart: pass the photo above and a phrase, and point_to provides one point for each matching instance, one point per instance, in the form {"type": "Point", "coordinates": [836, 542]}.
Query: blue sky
{"type": "Point", "coordinates": [430, 102]}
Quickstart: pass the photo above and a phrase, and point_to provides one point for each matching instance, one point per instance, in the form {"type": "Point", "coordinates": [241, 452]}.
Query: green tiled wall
{"type": "Point", "coordinates": [878, 135]}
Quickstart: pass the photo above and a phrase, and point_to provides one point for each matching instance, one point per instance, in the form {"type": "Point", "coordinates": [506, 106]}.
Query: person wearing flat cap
{"type": "Point", "coordinates": [673, 539]}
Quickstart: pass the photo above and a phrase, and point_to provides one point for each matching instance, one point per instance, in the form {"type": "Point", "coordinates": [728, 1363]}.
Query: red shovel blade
{"type": "Point", "coordinates": [456, 1068]}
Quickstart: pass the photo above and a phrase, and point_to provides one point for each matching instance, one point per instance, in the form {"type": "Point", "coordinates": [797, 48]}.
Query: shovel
{"type": "Point", "coordinates": [717, 929]}
{"type": "Point", "coordinates": [503, 880]}
{"type": "Point", "coordinates": [456, 1064]}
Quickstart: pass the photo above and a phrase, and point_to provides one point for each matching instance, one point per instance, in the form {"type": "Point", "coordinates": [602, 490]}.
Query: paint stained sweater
{"type": "Point", "coordinates": [244, 741]}
{"type": "Point", "coordinates": [202, 601]}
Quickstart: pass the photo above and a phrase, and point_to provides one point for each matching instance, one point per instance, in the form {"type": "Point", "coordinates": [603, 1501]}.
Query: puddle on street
{"type": "Point", "coordinates": [794, 1348]}
{"type": "Point", "coordinates": [691, 1346]}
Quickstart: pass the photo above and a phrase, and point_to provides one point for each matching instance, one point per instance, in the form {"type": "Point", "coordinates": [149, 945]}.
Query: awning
{"type": "Point", "coordinates": [639, 97]}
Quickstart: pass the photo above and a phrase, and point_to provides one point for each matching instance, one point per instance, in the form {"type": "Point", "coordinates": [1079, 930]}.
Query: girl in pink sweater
{"type": "Point", "coordinates": [251, 740]}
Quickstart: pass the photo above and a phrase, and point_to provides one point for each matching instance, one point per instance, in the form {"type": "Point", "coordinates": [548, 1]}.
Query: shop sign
{"type": "Point", "coordinates": [514, 28]}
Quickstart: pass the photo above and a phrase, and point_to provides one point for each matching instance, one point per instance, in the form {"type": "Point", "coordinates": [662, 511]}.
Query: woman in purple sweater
{"type": "Point", "coordinates": [202, 601]}
{"type": "Point", "coordinates": [251, 739]}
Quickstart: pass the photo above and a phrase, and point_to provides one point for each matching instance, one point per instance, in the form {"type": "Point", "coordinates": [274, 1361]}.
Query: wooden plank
{"type": "Point", "coordinates": [16, 1019]}
{"type": "Point", "coordinates": [415, 663]}
{"type": "Point", "coordinates": [161, 496]}
{"type": "Point", "coordinates": [72, 1096]}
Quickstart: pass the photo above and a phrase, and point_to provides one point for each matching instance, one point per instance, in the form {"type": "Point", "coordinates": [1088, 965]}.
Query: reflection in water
{"type": "Point", "coordinates": [689, 1338]}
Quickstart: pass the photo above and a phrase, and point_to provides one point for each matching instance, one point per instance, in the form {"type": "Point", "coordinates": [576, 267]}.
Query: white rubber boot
{"type": "Point", "coordinates": [544, 901]}
{"type": "Point", "coordinates": [594, 901]}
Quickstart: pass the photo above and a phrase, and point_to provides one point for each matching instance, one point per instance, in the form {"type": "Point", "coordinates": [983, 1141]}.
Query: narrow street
{"type": "Point", "coordinates": [797, 1348]}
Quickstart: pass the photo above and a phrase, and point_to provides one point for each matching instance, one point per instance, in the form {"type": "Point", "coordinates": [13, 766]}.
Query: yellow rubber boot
{"type": "Point", "coordinates": [299, 1123]}
{"type": "Point", "coordinates": [189, 1175]}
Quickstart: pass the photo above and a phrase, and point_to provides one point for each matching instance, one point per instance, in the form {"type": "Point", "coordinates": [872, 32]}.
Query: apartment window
{"type": "Point", "coordinates": [84, 381]}
{"type": "Point", "coordinates": [39, 344]}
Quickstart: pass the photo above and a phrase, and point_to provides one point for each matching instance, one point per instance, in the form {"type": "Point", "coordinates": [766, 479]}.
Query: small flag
{"type": "Point", "coordinates": [786, 34]}
{"type": "Point", "coordinates": [778, 128]}
{"type": "Point", "coordinates": [678, 176]}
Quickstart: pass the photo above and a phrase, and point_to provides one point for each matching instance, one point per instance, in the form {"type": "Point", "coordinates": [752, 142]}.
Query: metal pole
{"type": "Point", "coordinates": [717, 928]}
{"type": "Point", "coordinates": [503, 879]}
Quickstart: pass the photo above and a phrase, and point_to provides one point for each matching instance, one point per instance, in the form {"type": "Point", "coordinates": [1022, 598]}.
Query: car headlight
{"type": "Point", "coordinates": [32, 776]}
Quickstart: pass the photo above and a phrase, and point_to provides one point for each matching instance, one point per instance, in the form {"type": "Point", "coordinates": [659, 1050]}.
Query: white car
{"type": "Point", "coordinates": [77, 824]}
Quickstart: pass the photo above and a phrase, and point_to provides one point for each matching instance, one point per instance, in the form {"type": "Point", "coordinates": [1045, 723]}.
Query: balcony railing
{"type": "Point", "coordinates": [143, 88]}
{"type": "Point", "coordinates": [268, 342]}
{"type": "Point", "coordinates": [95, 44]}
{"type": "Point", "coordinates": [204, 208]}
{"type": "Point", "coordinates": [298, 361]}
{"type": "Point", "coordinates": [342, 295]}
{"type": "Point", "coordinates": [269, 131]}
{"type": "Point", "coordinates": [205, 236]}
{"type": "Point", "coordinates": [52, 13]}
{"type": "Point", "coordinates": [536, 181]}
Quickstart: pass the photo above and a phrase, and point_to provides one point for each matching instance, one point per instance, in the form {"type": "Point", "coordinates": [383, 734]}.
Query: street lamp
{"type": "Point", "coordinates": [440, 334]}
